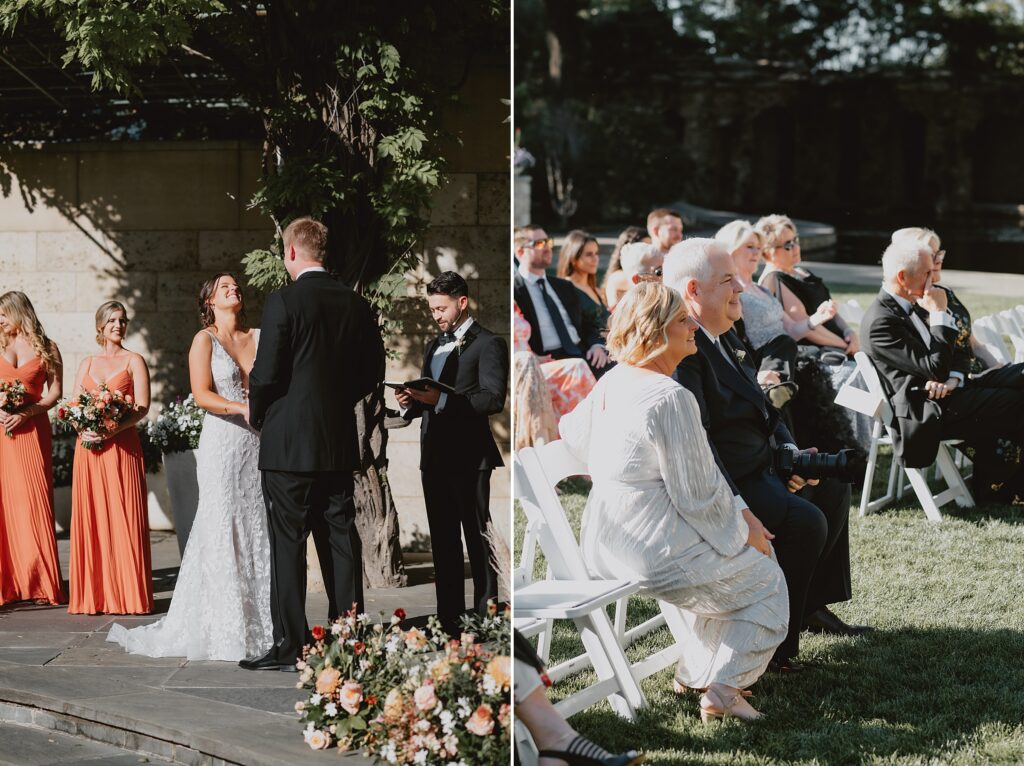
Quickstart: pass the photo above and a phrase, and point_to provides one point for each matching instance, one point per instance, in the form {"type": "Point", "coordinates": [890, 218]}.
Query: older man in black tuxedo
{"type": "Point", "coordinates": [457, 450]}
{"type": "Point", "coordinates": [558, 326]}
{"type": "Point", "coordinates": [807, 521]}
{"type": "Point", "coordinates": [910, 337]}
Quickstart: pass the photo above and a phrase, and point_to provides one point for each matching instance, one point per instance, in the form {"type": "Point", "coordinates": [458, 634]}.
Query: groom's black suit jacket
{"type": "Point", "coordinates": [460, 435]}
{"type": "Point", "coordinates": [320, 354]}
{"type": "Point", "coordinates": [904, 363]}
{"type": "Point", "coordinates": [740, 421]}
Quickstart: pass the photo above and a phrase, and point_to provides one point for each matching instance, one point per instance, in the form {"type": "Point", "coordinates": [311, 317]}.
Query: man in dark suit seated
{"type": "Point", "coordinates": [551, 305]}
{"type": "Point", "coordinates": [807, 521]}
{"type": "Point", "coordinates": [457, 450]}
{"type": "Point", "coordinates": [910, 338]}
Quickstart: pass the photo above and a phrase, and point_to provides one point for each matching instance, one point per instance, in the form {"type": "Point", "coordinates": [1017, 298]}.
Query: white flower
{"type": "Point", "coordinates": [330, 709]}
{"type": "Point", "coordinates": [447, 721]}
{"type": "Point", "coordinates": [336, 628]}
{"type": "Point", "coordinates": [420, 757]}
{"type": "Point", "coordinates": [315, 699]}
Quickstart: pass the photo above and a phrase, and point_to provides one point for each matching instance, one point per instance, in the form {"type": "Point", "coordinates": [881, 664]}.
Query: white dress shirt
{"type": "Point", "coordinates": [935, 318]}
{"type": "Point", "coordinates": [441, 354]}
{"type": "Point", "coordinates": [548, 334]}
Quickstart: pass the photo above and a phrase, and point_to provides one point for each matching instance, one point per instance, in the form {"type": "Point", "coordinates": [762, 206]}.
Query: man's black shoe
{"type": "Point", "coordinates": [825, 621]}
{"type": "Point", "coordinates": [268, 661]}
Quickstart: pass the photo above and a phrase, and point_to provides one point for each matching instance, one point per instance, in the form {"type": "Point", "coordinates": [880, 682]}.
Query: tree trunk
{"type": "Point", "coordinates": [376, 515]}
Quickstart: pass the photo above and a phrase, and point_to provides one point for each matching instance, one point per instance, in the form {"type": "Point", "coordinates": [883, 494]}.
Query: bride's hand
{"type": "Point", "coordinates": [757, 536]}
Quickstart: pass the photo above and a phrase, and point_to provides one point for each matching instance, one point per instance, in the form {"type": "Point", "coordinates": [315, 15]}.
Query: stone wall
{"type": "Point", "coordinates": [146, 222]}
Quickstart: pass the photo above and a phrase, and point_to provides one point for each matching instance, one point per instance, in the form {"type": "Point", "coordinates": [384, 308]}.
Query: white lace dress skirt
{"type": "Point", "coordinates": [221, 604]}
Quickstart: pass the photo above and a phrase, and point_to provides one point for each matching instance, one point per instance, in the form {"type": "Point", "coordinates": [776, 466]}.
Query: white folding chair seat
{"type": "Point", "coordinates": [851, 311]}
{"type": "Point", "coordinates": [871, 401]}
{"type": "Point", "coordinates": [553, 463]}
{"type": "Point", "coordinates": [988, 334]}
{"type": "Point", "coordinates": [571, 594]}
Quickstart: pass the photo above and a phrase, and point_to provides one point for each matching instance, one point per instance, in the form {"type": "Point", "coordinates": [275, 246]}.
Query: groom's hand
{"type": "Point", "coordinates": [429, 397]}
{"type": "Point", "coordinates": [403, 398]}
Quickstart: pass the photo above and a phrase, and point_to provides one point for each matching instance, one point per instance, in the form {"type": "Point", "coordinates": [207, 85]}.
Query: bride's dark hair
{"type": "Point", "coordinates": [206, 292]}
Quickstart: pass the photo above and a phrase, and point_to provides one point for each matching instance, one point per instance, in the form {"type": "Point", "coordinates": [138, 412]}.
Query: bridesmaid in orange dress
{"type": "Point", "coordinates": [29, 569]}
{"type": "Point", "coordinates": [110, 556]}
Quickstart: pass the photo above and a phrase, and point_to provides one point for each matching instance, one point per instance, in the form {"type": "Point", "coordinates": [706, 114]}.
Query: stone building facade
{"type": "Point", "coordinates": [147, 222]}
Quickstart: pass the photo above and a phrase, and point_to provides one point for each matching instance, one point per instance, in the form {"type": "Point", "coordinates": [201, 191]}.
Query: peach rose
{"type": "Point", "coordinates": [480, 723]}
{"type": "Point", "coordinates": [441, 670]}
{"type": "Point", "coordinates": [318, 740]}
{"type": "Point", "coordinates": [415, 639]}
{"type": "Point", "coordinates": [106, 398]}
{"type": "Point", "coordinates": [350, 696]}
{"type": "Point", "coordinates": [394, 704]}
{"type": "Point", "coordinates": [425, 697]}
{"type": "Point", "coordinates": [328, 680]}
{"type": "Point", "coordinates": [500, 669]}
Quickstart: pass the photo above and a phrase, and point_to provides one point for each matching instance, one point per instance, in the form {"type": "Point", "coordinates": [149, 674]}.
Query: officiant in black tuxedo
{"type": "Point", "coordinates": [320, 353]}
{"type": "Point", "coordinates": [807, 521]}
{"type": "Point", "coordinates": [457, 450]}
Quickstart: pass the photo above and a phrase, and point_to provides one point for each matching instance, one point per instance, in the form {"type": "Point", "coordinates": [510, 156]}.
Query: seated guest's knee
{"type": "Point", "coordinates": [806, 522]}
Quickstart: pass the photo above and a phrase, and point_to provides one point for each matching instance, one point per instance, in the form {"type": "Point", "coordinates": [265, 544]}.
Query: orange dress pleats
{"type": "Point", "coordinates": [29, 568]}
{"type": "Point", "coordinates": [111, 570]}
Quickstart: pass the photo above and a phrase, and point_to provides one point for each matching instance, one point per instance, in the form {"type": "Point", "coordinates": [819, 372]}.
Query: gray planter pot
{"type": "Point", "coordinates": [183, 488]}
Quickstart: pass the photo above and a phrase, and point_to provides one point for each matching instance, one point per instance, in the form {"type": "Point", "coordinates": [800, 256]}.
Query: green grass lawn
{"type": "Point", "coordinates": [940, 681]}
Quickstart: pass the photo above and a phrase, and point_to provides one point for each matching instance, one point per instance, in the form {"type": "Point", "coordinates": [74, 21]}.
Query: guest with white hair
{"type": "Point", "coordinates": [911, 338]}
{"type": "Point", "coordinates": [809, 519]}
{"type": "Point", "coordinates": [641, 262]}
{"type": "Point", "coordinates": [801, 292]}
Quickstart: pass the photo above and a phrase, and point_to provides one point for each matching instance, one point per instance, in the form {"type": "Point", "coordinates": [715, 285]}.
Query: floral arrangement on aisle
{"type": "Point", "coordinates": [178, 427]}
{"type": "Point", "coordinates": [12, 397]}
{"type": "Point", "coordinates": [100, 411]}
{"type": "Point", "coordinates": [406, 697]}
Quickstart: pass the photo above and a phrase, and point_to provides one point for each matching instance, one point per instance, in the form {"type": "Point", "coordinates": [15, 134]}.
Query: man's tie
{"type": "Point", "coordinates": [568, 346]}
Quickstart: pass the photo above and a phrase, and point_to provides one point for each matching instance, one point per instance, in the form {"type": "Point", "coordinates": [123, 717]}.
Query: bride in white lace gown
{"type": "Point", "coordinates": [221, 604]}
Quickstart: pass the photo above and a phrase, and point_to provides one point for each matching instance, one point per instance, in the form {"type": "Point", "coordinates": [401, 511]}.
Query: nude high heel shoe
{"type": "Point", "coordinates": [714, 705]}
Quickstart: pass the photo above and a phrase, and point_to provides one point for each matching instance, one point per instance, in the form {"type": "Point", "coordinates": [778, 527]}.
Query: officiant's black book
{"type": "Point", "coordinates": [421, 384]}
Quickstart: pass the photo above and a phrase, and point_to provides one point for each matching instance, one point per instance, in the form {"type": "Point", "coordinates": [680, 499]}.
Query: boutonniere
{"type": "Point", "coordinates": [741, 355]}
{"type": "Point", "coordinates": [461, 344]}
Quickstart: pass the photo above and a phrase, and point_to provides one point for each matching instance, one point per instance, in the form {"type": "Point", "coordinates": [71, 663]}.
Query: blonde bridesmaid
{"type": "Point", "coordinates": [111, 571]}
{"type": "Point", "coordinates": [29, 569]}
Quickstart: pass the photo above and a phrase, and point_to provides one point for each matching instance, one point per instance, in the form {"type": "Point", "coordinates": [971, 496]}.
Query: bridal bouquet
{"type": "Point", "coordinates": [12, 397]}
{"type": "Point", "coordinates": [100, 411]}
{"type": "Point", "coordinates": [407, 698]}
{"type": "Point", "coordinates": [178, 427]}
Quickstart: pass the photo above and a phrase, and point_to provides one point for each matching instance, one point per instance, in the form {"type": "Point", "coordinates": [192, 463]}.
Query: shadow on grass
{"type": "Point", "coordinates": [916, 693]}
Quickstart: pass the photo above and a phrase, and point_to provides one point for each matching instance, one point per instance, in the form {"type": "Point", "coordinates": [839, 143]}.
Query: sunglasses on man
{"type": "Point", "coordinates": [541, 244]}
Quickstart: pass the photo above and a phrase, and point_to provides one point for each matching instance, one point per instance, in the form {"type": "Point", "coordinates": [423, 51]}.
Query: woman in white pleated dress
{"type": "Point", "coordinates": [661, 512]}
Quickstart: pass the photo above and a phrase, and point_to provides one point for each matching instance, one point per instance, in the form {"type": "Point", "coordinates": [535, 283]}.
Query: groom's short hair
{"type": "Point", "coordinates": [449, 283]}
{"type": "Point", "coordinates": [309, 235]}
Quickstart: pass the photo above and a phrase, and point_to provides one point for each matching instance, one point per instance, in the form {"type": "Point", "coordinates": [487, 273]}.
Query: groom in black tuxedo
{"type": "Point", "coordinates": [457, 450]}
{"type": "Point", "coordinates": [320, 354]}
{"type": "Point", "coordinates": [807, 520]}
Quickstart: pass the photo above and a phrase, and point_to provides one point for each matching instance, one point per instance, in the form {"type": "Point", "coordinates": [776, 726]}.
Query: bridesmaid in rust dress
{"type": "Point", "coordinates": [29, 569]}
{"type": "Point", "coordinates": [110, 556]}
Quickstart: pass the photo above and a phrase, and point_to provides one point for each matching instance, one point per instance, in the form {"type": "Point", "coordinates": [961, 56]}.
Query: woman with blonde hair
{"type": "Point", "coordinates": [802, 294]}
{"type": "Point", "coordinates": [29, 568]}
{"type": "Point", "coordinates": [577, 262]}
{"type": "Point", "coordinates": [110, 556]}
{"type": "Point", "coordinates": [660, 511]}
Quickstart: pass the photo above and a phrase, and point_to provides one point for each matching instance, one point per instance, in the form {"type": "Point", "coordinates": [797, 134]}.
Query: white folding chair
{"type": "Point", "coordinates": [851, 311]}
{"type": "Point", "coordinates": [555, 462]}
{"type": "Point", "coordinates": [871, 401]}
{"type": "Point", "coordinates": [988, 334]}
{"type": "Point", "coordinates": [1005, 323]}
{"type": "Point", "coordinates": [571, 594]}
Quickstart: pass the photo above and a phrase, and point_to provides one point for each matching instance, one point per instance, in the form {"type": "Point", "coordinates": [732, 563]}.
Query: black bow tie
{"type": "Point", "coordinates": [446, 337]}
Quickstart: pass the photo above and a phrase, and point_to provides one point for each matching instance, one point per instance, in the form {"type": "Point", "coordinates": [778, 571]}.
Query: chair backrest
{"type": "Point", "coordinates": [851, 311]}
{"type": "Point", "coordinates": [987, 332]}
{"type": "Point", "coordinates": [872, 401]}
{"type": "Point", "coordinates": [535, 490]}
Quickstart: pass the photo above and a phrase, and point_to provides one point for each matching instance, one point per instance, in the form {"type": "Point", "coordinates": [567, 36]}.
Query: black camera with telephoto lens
{"type": "Point", "coordinates": [847, 465]}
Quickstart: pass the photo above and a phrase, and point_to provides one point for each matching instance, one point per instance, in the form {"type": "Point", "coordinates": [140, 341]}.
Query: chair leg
{"type": "Point", "coordinates": [621, 610]}
{"type": "Point", "coordinates": [526, 750]}
{"type": "Point", "coordinates": [869, 472]}
{"type": "Point", "coordinates": [924, 493]}
{"type": "Point", "coordinates": [951, 474]}
{"type": "Point", "coordinates": [544, 639]}
{"type": "Point", "coordinates": [608, 660]}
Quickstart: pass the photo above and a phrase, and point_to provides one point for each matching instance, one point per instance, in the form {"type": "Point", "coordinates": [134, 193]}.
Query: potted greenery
{"type": "Point", "coordinates": [175, 432]}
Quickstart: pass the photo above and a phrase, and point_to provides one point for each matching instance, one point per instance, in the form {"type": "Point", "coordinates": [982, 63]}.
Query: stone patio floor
{"type": "Point", "coordinates": [58, 673]}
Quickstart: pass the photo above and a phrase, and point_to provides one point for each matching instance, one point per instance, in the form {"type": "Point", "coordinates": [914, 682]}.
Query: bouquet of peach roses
{"type": "Point", "coordinates": [12, 397]}
{"type": "Point", "coordinates": [406, 697]}
{"type": "Point", "coordinates": [100, 411]}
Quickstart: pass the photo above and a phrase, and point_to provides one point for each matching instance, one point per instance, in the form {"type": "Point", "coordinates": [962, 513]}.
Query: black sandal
{"type": "Point", "coordinates": [583, 752]}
